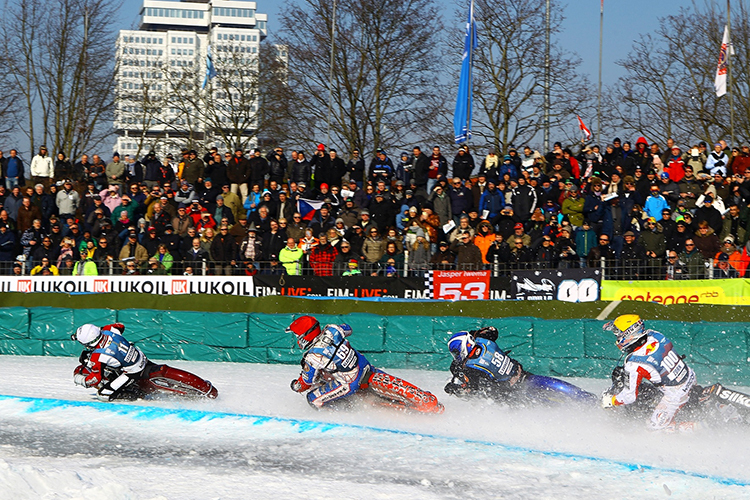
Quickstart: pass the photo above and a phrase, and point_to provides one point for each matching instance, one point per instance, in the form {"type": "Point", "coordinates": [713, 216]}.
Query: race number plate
{"type": "Point", "coordinates": [461, 285]}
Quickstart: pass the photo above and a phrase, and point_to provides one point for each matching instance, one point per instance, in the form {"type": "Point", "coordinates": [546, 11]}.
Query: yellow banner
{"type": "Point", "coordinates": [725, 292]}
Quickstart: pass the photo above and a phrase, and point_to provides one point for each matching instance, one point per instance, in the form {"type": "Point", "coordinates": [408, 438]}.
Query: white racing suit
{"type": "Point", "coordinates": [115, 352]}
{"type": "Point", "coordinates": [657, 362]}
{"type": "Point", "coordinates": [332, 371]}
{"type": "Point", "coordinates": [331, 368]}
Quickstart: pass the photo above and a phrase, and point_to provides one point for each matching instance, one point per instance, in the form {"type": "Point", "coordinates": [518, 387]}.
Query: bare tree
{"type": "Point", "coordinates": [509, 65]}
{"type": "Point", "coordinates": [60, 59]}
{"type": "Point", "coordinates": [228, 106]}
{"type": "Point", "coordinates": [386, 72]}
{"type": "Point", "coordinates": [668, 90]}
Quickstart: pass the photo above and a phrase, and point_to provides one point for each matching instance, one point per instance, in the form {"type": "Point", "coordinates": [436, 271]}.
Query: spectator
{"type": "Point", "coordinates": [461, 199]}
{"type": "Point", "coordinates": [602, 255]}
{"type": "Point", "coordinates": [546, 255]}
{"type": "Point", "coordinates": [693, 260]}
{"type": "Point", "coordinates": [484, 238]}
{"type": "Point", "coordinates": [321, 257]}
{"type": "Point", "coordinates": [655, 245]}
{"type": "Point", "coordinates": [345, 254]}
{"type": "Point", "coordinates": [291, 258]}
{"type": "Point", "coordinates": [392, 261]}
{"type": "Point", "coordinates": [224, 252]}
{"type": "Point", "coordinates": [352, 268]}
{"type": "Point", "coordinates": [165, 258]}
{"type": "Point", "coordinates": [463, 164]}
{"type": "Point", "coordinates": [520, 255]}
{"type": "Point", "coordinates": [723, 269]}
{"type": "Point", "coordinates": [45, 265]}
{"type": "Point", "coordinates": [42, 168]}
{"type": "Point", "coordinates": [86, 266]}
{"type": "Point", "coordinates": [706, 241]}
{"type": "Point", "coordinates": [717, 161]}
{"type": "Point", "coordinates": [152, 267]}
{"type": "Point", "coordinates": [632, 258]}
{"type": "Point", "coordinates": [734, 256]}
{"type": "Point", "coordinates": [132, 250]}
{"type": "Point", "coordinates": [373, 247]}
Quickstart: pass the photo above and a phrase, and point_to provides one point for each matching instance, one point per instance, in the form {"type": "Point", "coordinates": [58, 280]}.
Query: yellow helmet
{"type": "Point", "coordinates": [628, 328]}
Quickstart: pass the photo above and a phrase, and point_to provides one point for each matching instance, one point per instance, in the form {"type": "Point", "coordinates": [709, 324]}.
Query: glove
{"type": "Point", "coordinates": [608, 400]}
{"type": "Point", "coordinates": [298, 385]}
{"type": "Point", "coordinates": [80, 379]}
{"type": "Point", "coordinates": [452, 388]}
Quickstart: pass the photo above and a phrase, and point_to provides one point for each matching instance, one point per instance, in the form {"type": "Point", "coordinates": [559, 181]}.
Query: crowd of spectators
{"type": "Point", "coordinates": [638, 211]}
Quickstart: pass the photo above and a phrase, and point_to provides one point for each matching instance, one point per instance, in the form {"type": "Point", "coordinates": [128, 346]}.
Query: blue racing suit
{"type": "Point", "coordinates": [487, 370]}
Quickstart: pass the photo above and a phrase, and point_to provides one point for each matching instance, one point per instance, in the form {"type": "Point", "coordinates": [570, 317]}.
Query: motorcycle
{"type": "Point", "coordinates": [154, 382]}
{"type": "Point", "coordinates": [381, 389]}
{"type": "Point", "coordinates": [712, 405]}
{"type": "Point", "coordinates": [528, 389]}
{"type": "Point", "coordinates": [397, 393]}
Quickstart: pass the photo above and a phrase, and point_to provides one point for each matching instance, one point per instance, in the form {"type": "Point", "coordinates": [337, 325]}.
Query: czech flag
{"type": "Point", "coordinates": [308, 208]}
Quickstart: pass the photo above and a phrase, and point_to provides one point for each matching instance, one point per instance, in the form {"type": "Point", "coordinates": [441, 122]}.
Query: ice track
{"type": "Point", "coordinates": [259, 440]}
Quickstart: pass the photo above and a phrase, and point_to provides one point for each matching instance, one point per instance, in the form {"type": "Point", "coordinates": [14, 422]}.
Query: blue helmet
{"type": "Point", "coordinates": [460, 345]}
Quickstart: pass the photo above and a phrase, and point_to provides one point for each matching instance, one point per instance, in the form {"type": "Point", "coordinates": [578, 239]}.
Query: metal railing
{"type": "Point", "coordinates": [612, 269]}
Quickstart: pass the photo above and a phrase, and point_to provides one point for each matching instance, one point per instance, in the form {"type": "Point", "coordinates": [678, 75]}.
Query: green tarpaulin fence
{"type": "Point", "coordinates": [565, 347]}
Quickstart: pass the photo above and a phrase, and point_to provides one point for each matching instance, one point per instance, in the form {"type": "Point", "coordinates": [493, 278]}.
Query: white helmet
{"type": "Point", "coordinates": [461, 345]}
{"type": "Point", "coordinates": [88, 335]}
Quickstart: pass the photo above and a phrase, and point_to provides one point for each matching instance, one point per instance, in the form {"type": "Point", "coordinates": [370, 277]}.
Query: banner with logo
{"type": "Point", "coordinates": [567, 285]}
{"type": "Point", "coordinates": [158, 285]}
{"type": "Point", "coordinates": [360, 287]}
{"type": "Point", "coordinates": [725, 291]}
{"type": "Point", "coordinates": [460, 285]}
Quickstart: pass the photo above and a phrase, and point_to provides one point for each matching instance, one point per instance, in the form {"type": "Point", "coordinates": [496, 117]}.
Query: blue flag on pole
{"type": "Point", "coordinates": [210, 69]}
{"type": "Point", "coordinates": [462, 115]}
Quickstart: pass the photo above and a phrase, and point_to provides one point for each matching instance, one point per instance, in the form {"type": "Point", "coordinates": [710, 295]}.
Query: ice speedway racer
{"type": "Point", "coordinates": [481, 368]}
{"type": "Point", "coordinates": [334, 374]}
{"type": "Point", "coordinates": [655, 380]}
{"type": "Point", "coordinates": [118, 369]}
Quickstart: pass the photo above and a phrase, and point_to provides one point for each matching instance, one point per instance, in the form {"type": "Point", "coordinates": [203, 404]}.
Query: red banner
{"type": "Point", "coordinates": [461, 285]}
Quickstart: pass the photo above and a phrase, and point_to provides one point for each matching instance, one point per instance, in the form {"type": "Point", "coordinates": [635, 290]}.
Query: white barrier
{"type": "Point", "coordinates": [157, 285]}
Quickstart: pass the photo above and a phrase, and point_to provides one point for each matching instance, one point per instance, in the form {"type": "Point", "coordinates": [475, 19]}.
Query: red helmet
{"type": "Point", "coordinates": [306, 328]}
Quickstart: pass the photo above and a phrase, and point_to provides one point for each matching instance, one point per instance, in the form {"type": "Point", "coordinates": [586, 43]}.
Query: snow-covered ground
{"type": "Point", "coordinates": [68, 446]}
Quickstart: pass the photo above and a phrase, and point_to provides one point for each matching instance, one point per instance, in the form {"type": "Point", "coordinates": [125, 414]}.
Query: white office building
{"type": "Point", "coordinates": [160, 69]}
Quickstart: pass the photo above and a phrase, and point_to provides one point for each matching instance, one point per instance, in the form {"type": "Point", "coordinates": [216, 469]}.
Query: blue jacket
{"type": "Point", "coordinates": [493, 202]}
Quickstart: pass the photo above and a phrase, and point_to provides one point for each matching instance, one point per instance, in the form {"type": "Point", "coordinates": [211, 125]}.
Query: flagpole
{"type": "Point", "coordinates": [471, 77]}
{"type": "Point", "coordinates": [729, 78]}
{"type": "Point", "coordinates": [330, 75]}
{"type": "Point", "coordinates": [599, 97]}
{"type": "Point", "coordinates": [547, 76]}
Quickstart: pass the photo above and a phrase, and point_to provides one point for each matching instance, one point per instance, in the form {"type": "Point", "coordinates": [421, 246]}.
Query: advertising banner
{"type": "Point", "coordinates": [158, 285]}
{"type": "Point", "coordinates": [726, 292]}
{"type": "Point", "coordinates": [568, 285]}
{"type": "Point", "coordinates": [337, 286]}
{"type": "Point", "coordinates": [460, 285]}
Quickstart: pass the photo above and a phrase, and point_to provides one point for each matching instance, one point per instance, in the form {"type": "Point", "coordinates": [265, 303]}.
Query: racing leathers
{"type": "Point", "coordinates": [331, 368]}
{"type": "Point", "coordinates": [115, 352]}
{"type": "Point", "coordinates": [656, 361]}
{"type": "Point", "coordinates": [332, 371]}
{"type": "Point", "coordinates": [487, 371]}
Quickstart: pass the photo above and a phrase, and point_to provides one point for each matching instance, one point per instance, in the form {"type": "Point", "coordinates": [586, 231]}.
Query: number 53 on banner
{"type": "Point", "coordinates": [461, 285]}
